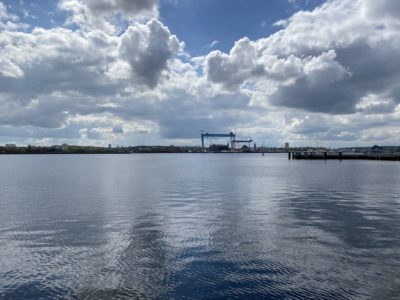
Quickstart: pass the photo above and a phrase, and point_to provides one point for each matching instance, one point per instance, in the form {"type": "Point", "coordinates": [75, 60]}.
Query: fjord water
{"type": "Point", "coordinates": [198, 226]}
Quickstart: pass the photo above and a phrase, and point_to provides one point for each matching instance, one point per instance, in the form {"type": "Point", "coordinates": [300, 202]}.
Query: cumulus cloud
{"type": "Point", "coordinates": [148, 48]}
{"type": "Point", "coordinates": [325, 60]}
{"type": "Point", "coordinates": [45, 72]}
{"type": "Point", "coordinates": [105, 14]}
{"type": "Point", "coordinates": [365, 60]}
{"type": "Point", "coordinates": [234, 68]}
{"type": "Point", "coordinates": [46, 61]}
{"type": "Point", "coordinates": [319, 88]}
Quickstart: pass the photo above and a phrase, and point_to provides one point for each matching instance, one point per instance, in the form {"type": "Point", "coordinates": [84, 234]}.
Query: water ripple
{"type": "Point", "coordinates": [199, 226]}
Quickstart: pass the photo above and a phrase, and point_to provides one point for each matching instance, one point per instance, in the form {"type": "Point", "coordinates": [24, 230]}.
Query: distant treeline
{"type": "Point", "coordinates": [73, 149]}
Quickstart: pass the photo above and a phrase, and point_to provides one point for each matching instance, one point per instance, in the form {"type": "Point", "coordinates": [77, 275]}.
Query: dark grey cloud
{"type": "Point", "coordinates": [68, 132]}
{"type": "Point", "coordinates": [339, 99]}
{"type": "Point", "coordinates": [382, 9]}
{"type": "Point", "coordinates": [371, 70]}
{"type": "Point", "coordinates": [48, 111]}
{"type": "Point", "coordinates": [117, 129]}
{"type": "Point", "coordinates": [183, 115]}
{"type": "Point", "coordinates": [135, 7]}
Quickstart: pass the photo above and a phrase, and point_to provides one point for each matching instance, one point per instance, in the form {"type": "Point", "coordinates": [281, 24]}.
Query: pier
{"type": "Point", "coordinates": [342, 156]}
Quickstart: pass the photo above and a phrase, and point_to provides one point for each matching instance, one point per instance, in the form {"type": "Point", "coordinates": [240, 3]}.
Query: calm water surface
{"type": "Point", "coordinates": [198, 226]}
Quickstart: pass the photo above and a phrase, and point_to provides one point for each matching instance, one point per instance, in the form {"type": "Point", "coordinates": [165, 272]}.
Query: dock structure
{"type": "Point", "coordinates": [342, 156]}
{"type": "Point", "coordinates": [207, 135]}
{"type": "Point", "coordinates": [234, 142]}
{"type": "Point", "coordinates": [230, 146]}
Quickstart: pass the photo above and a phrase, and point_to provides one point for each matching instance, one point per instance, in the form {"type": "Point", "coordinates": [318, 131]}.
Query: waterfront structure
{"type": "Point", "coordinates": [340, 155]}
{"type": "Point", "coordinates": [234, 142]}
{"type": "Point", "coordinates": [230, 135]}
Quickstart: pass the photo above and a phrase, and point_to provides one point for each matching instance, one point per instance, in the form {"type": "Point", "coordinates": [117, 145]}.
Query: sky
{"type": "Point", "coordinates": [145, 72]}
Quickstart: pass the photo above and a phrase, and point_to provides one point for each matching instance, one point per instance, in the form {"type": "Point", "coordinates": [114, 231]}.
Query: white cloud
{"type": "Point", "coordinates": [148, 48]}
{"type": "Point", "coordinates": [10, 21]}
{"type": "Point", "coordinates": [213, 43]}
{"type": "Point", "coordinates": [5, 15]}
{"type": "Point", "coordinates": [325, 60]}
{"type": "Point", "coordinates": [234, 68]}
{"type": "Point", "coordinates": [106, 14]}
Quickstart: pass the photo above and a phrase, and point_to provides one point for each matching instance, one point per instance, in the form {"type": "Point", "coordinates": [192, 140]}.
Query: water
{"type": "Point", "coordinates": [198, 226]}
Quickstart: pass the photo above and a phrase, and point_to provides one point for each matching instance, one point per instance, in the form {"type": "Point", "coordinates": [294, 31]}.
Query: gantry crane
{"type": "Point", "coordinates": [207, 135]}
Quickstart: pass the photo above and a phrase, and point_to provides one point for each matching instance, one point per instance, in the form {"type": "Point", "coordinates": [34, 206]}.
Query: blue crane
{"type": "Point", "coordinates": [230, 135]}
